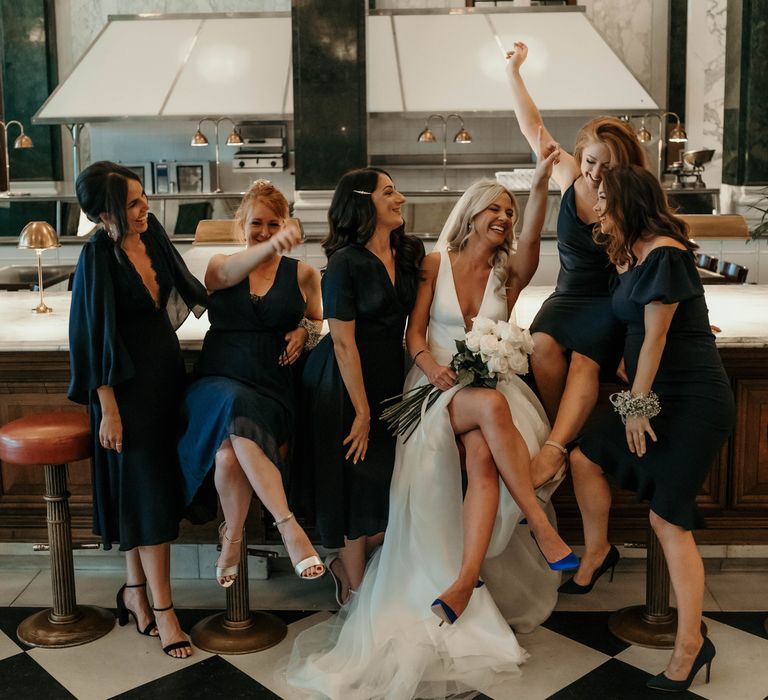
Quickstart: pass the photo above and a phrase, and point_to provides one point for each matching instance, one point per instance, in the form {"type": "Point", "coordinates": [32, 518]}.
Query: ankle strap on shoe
{"type": "Point", "coordinates": [556, 445]}
{"type": "Point", "coordinates": [135, 585]}
{"type": "Point", "coordinates": [170, 607]}
{"type": "Point", "coordinates": [283, 520]}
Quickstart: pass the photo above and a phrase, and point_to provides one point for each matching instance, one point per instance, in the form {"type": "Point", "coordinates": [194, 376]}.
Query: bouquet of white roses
{"type": "Point", "coordinates": [491, 351]}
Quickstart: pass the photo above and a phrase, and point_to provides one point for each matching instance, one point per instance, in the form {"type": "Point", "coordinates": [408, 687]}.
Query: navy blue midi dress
{"type": "Point", "coordinates": [697, 406]}
{"type": "Point", "coordinates": [578, 313]}
{"type": "Point", "coordinates": [240, 388]}
{"type": "Point", "coordinates": [119, 337]}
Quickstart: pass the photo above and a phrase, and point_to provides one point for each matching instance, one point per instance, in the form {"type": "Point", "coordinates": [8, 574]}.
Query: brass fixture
{"type": "Point", "coordinates": [428, 136]}
{"type": "Point", "coordinates": [22, 141]}
{"type": "Point", "coordinates": [39, 236]}
{"type": "Point", "coordinates": [677, 135]}
{"type": "Point", "coordinates": [234, 139]}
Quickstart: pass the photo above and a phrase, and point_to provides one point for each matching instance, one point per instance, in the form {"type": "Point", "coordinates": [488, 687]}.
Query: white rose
{"type": "Point", "coordinates": [527, 341]}
{"type": "Point", "coordinates": [483, 325]}
{"type": "Point", "coordinates": [518, 363]}
{"type": "Point", "coordinates": [503, 330]}
{"type": "Point", "coordinates": [515, 334]}
{"type": "Point", "coordinates": [507, 348]}
{"type": "Point", "coordinates": [498, 365]}
{"type": "Point", "coordinates": [472, 340]}
{"type": "Point", "coordinates": [489, 345]}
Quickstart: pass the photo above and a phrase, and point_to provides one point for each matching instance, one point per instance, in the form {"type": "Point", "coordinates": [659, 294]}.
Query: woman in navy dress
{"type": "Point", "coordinates": [130, 292]}
{"type": "Point", "coordinates": [369, 288]}
{"type": "Point", "coordinates": [673, 365]}
{"type": "Point", "coordinates": [575, 331]}
{"type": "Point", "coordinates": [240, 410]}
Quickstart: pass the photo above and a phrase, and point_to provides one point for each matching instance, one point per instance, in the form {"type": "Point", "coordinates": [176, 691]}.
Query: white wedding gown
{"type": "Point", "coordinates": [386, 643]}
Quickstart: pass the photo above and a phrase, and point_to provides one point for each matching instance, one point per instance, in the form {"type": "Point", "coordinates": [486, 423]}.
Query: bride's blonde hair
{"type": "Point", "coordinates": [459, 227]}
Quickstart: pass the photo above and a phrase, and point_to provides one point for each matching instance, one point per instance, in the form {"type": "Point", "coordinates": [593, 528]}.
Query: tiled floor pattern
{"type": "Point", "coordinates": [573, 655]}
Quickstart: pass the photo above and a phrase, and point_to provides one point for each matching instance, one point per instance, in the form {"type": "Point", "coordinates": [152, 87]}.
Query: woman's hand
{"type": "Point", "coordinates": [295, 340]}
{"type": "Point", "coordinates": [439, 376]}
{"type": "Point", "coordinates": [111, 431]}
{"type": "Point", "coordinates": [286, 238]}
{"type": "Point", "coordinates": [548, 157]}
{"type": "Point", "coordinates": [358, 438]}
{"type": "Point", "coordinates": [517, 56]}
{"type": "Point", "coordinates": [636, 428]}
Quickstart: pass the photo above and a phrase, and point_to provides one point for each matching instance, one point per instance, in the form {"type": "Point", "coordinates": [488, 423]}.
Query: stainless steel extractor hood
{"type": "Point", "coordinates": [179, 67]}
{"type": "Point", "coordinates": [453, 60]}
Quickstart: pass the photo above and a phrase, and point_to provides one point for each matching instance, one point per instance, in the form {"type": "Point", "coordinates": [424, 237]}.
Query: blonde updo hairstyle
{"type": "Point", "coordinates": [617, 135]}
{"type": "Point", "coordinates": [260, 191]}
{"type": "Point", "coordinates": [459, 227]}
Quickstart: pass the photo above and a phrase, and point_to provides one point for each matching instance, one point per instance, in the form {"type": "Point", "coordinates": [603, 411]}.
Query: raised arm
{"type": "Point", "coordinates": [529, 118]}
{"type": "Point", "coordinates": [416, 334]}
{"type": "Point", "coordinates": [228, 270]}
{"type": "Point", "coordinates": [526, 259]}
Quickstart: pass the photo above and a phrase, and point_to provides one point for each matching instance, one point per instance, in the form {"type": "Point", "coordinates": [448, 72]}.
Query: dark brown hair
{"type": "Point", "coordinates": [638, 209]}
{"type": "Point", "coordinates": [616, 135]}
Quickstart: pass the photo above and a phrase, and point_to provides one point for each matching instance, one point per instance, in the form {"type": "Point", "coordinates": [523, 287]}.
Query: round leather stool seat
{"type": "Point", "coordinates": [48, 438]}
{"type": "Point", "coordinates": [53, 440]}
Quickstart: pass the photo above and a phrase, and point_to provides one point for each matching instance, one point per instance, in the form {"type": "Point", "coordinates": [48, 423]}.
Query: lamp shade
{"type": "Point", "coordinates": [199, 139]}
{"type": "Point", "coordinates": [427, 136]}
{"type": "Point", "coordinates": [678, 135]}
{"type": "Point", "coordinates": [462, 136]}
{"type": "Point", "coordinates": [235, 139]}
{"type": "Point", "coordinates": [23, 141]}
{"type": "Point", "coordinates": [38, 235]}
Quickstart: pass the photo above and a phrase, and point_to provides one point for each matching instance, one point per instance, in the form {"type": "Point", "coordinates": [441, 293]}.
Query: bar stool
{"type": "Point", "coordinates": [654, 624]}
{"type": "Point", "coordinates": [734, 273]}
{"type": "Point", "coordinates": [54, 439]}
{"type": "Point", "coordinates": [238, 630]}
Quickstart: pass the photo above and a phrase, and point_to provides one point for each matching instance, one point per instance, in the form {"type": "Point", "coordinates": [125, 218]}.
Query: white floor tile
{"type": "Point", "coordinates": [739, 669]}
{"type": "Point", "coordinates": [8, 647]}
{"type": "Point", "coordinates": [13, 584]}
{"type": "Point", "coordinates": [120, 661]}
{"type": "Point", "coordinates": [91, 588]}
{"type": "Point", "coordinates": [740, 591]}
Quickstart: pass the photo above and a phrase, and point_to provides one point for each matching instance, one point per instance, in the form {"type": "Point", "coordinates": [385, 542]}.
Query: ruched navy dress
{"type": "Point", "coordinates": [697, 406]}
{"type": "Point", "coordinates": [578, 313]}
{"type": "Point", "coordinates": [353, 499]}
{"type": "Point", "coordinates": [240, 388]}
{"type": "Point", "coordinates": [119, 337]}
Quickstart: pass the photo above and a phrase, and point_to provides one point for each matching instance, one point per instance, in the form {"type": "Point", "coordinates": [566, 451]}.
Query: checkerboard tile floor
{"type": "Point", "coordinates": [573, 655]}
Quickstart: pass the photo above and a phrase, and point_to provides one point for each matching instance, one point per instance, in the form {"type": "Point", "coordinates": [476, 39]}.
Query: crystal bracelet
{"type": "Point", "coordinates": [313, 335]}
{"type": "Point", "coordinates": [625, 403]}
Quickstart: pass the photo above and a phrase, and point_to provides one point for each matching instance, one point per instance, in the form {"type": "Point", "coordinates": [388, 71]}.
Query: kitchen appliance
{"type": "Point", "coordinates": [265, 147]}
{"type": "Point", "coordinates": [174, 176]}
{"type": "Point", "coordinates": [143, 172]}
{"type": "Point", "coordinates": [688, 171]}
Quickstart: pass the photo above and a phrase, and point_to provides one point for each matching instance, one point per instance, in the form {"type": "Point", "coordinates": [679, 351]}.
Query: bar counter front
{"type": "Point", "coordinates": [34, 373]}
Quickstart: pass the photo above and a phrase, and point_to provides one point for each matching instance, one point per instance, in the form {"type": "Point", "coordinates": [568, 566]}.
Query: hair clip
{"type": "Point", "coordinates": [261, 182]}
{"type": "Point", "coordinates": [360, 192]}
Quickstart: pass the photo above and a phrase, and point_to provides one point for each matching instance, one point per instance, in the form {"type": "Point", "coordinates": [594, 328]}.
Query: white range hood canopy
{"type": "Point", "coordinates": [453, 62]}
{"type": "Point", "coordinates": [239, 65]}
{"type": "Point", "coordinates": [180, 67]}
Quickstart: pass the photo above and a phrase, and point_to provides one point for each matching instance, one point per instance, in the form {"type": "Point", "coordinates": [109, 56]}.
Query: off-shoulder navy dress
{"type": "Point", "coordinates": [118, 337]}
{"type": "Point", "coordinates": [240, 387]}
{"type": "Point", "coordinates": [578, 313]}
{"type": "Point", "coordinates": [353, 499]}
{"type": "Point", "coordinates": [697, 407]}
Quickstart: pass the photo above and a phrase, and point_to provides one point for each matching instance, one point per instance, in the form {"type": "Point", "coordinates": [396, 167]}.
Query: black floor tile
{"type": "Point", "coordinates": [587, 628]}
{"type": "Point", "coordinates": [611, 681]}
{"type": "Point", "coordinates": [10, 618]}
{"type": "Point", "coordinates": [22, 677]}
{"type": "Point", "coordinates": [752, 622]}
{"type": "Point", "coordinates": [212, 678]}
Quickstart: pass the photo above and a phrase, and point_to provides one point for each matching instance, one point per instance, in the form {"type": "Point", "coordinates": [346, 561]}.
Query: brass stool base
{"type": "Point", "coordinates": [218, 635]}
{"type": "Point", "coordinates": [91, 623]}
{"type": "Point", "coordinates": [632, 625]}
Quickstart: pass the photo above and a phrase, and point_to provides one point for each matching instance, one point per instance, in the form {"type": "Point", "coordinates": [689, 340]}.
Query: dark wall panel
{"type": "Point", "coordinates": [328, 90]}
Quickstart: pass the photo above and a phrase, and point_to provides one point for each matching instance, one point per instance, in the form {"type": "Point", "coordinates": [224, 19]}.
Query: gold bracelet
{"type": "Point", "coordinates": [419, 353]}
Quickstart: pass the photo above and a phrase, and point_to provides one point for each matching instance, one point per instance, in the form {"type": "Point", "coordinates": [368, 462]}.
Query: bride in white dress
{"type": "Point", "coordinates": [387, 640]}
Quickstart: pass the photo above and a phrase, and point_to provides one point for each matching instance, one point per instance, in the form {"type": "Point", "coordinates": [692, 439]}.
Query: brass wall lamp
{"type": "Point", "coordinates": [234, 139]}
{"type": "Point", "coordinates": [22, 141]}
{"type": "Point", "coordinates": [677, 135]}
{"type": "Point", "coordinates": [428, 136]}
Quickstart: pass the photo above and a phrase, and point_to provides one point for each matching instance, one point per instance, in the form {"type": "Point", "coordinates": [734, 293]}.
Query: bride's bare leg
{"type": "Point", "coordinates": [481, 502]}
{"type": "Point", "coordinates": [487, 410]}
{"type": "Point", "coordinates": [579, 398]}
{"type": "Point", "coordinates": [352, 557]}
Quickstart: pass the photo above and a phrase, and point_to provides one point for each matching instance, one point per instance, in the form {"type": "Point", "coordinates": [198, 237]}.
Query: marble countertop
{"type": "Point", "coordinates": [741, 311]}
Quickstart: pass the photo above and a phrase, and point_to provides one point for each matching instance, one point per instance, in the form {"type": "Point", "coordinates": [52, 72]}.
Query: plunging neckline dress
{"type": "Point", "coordinates": [386, 643]}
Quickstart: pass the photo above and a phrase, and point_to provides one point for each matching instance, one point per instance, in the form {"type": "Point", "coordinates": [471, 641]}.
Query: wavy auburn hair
{"type": "Point", "coordinates": [260, 191]}
{"type": "Point", "coordinates": [616, 135]}
{"type": "Point", "coordinates": [638, 209]}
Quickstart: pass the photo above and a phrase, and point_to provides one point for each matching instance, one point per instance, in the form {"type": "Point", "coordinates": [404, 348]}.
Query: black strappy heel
{"type": "Point", "coordinates": [175, 645]}
{"type": "Point", "coordinates": [123, 612]}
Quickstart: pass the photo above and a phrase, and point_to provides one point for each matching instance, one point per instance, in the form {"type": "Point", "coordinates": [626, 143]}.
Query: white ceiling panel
{"type": "Point", "coordinates": [383, 83]}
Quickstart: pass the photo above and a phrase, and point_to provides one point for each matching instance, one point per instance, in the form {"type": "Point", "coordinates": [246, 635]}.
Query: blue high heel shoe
{"type": "Point", "coordinates": [568, 563]}
{"type": "Point", "coordinates": [445, 612]}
